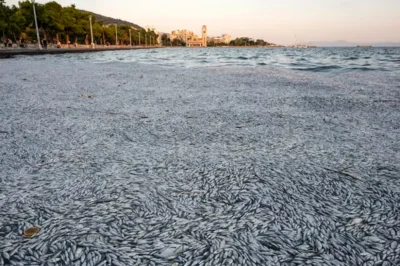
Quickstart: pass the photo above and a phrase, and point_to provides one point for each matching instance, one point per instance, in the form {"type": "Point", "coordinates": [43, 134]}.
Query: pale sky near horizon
{"type": "Point", "coordinates": [278, 21]}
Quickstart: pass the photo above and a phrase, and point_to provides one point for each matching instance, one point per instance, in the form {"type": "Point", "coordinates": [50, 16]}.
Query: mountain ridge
{"type": "Point", "coordinates": [111, 21]}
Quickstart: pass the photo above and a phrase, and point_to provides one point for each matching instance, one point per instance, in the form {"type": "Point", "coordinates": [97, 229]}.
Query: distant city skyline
{"type": "Point", "coordinates": [283, 22]}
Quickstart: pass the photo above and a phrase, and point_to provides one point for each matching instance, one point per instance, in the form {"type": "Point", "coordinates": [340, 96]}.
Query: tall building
{"type": "Point", "coordinates": [204, 35]}
{"type": "Point", "coordinates": [191, 39]}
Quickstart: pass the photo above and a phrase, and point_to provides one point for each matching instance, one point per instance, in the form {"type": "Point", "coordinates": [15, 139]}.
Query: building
{"type": "Point", "coordinates": [225, 38]}
{"type": "Point", "coordinates": [197, 41]}
{"type": "Point", "coordinates": [181, 35]}
{"type": "Point", "coordinates": [191, 39]}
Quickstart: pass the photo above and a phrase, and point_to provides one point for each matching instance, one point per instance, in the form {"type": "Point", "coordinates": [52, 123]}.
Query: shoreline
{"type": "Point", "coordinates": [10, 53]}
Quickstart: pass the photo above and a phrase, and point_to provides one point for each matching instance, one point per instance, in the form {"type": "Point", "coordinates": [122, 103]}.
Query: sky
{"type": "Point", "coordinates": [278, 21]}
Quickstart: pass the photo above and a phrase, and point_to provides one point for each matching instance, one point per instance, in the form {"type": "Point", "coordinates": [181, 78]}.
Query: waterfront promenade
{"type": "Point", "coordinates": [11, 52]}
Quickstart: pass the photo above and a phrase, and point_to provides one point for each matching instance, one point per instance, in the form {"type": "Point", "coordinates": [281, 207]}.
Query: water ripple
{"type": "Point", "coordinates": [316, 60]}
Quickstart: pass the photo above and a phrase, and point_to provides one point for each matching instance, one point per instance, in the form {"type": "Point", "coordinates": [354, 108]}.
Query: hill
{"type": "Point", "coordinates": [109, 20]}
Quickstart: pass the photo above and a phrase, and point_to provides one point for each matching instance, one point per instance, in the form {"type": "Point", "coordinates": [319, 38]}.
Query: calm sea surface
{"type": "Point", "coordinates": [316, 60]}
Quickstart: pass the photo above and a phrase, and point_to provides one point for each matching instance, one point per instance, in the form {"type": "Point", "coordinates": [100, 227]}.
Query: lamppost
{"type": "Point", "coordinates": [104, 37]}
{"type": "Point", "coordinates": [139, 38]}
{"type": "Point", "coordinates": [145, 40]}
{"type": "Point", "coordinates": [130, 37]}
{"type": "Point", "coordinates": [36, 25]}
{"type": "Point", "coordinates": [116, 36]}
{"type": "Point", "coordinates": [91, 32]}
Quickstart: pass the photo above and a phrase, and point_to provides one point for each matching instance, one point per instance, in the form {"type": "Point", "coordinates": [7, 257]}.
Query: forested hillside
{"type": "Point", "coordinates": [109, 20]}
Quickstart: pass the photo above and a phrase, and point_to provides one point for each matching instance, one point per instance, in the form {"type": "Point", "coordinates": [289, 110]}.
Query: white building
{"type": "Point", "coordinates": [225, 38]}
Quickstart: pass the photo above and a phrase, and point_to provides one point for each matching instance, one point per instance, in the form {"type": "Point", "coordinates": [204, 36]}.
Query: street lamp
{"type": "Point", "coordinates": [139, 38]}
{"type": "Point", "coordinates": [130, 37]}
{"type": "Point", "coordinates": [36, 25]}
{"type": "Point", "coordinates": [145, 40]}
{"type": "Point", "coordinates": [91, 31]}
{"type": "Point", "coordinates": [116, 36]}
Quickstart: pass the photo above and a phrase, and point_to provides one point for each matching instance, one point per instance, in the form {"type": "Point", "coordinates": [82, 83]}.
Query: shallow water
{"type": "Point", "coordinates": [315, 60]}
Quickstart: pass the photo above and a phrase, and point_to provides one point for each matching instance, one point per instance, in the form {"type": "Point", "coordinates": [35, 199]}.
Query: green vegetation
{"type": "Point", "coordinates": [245, 41]}
{"type": "Point", "coordinates": [113, 21]}
{"type": "Point", "coordinates": [66, 24]}
{"type": "Point", "coordinates": [165, 41]}
{"type": "Point", "coordinates": [213, 44]}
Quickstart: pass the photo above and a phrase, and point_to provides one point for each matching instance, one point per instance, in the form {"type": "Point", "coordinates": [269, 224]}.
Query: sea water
{"type": "Point", "coordinates": [315, 60]}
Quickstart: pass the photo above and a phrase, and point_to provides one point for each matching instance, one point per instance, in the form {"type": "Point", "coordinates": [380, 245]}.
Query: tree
{"type": "Point", "coordinates": [178, 42]}
{"type": "Point", "coordinates": [143, 37]}
{"type": "Point", "coordinates": [109, 33]}
{"type": "Point", "coordinates": [4, 15]}
{"type": "Point", "coordinates": [27, 11]}
{"type": "Point", "coordinates": [69, 20]}
{"type": "Point", "coordinates": [245, 41]}
{"type": "Point", "coordinates": [238, 42]}
{"type": "Point", "coordinates": [82, 26]}
{"type": "Point", "coordinates": [55, 22]}
{"type": "Point", "coordinates": [123, 32]}
{"type": "Point", "coordinates": [165, 41]}
{"type": "Point", "coordinates": [16, 24]}
{"type": "Point", "coordinates": [98, 31]}
{"type": "Point", "coordinates": [154, 37]}
{"type": "Point", "coordinates": [211, 43]}
{"type": "Point", "coordinates": [135, 37]}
